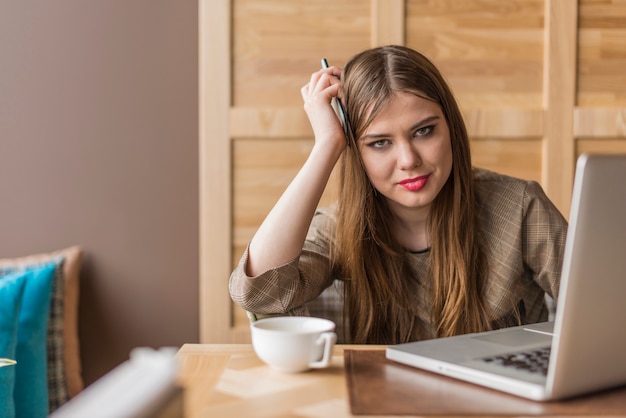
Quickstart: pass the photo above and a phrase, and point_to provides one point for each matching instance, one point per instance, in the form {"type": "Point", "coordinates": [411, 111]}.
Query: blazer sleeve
{"type": "Point", "coordinates": [544, 230]}
{"type": "Point", "coordinates": [285, 289]}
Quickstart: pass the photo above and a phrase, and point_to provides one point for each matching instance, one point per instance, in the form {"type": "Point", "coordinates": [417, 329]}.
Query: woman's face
{"type": "Point", "coordinates": [407, 153]}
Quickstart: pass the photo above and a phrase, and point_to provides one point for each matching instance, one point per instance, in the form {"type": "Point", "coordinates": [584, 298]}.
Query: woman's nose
{"type": "Point", "coordinates": [408, 157]}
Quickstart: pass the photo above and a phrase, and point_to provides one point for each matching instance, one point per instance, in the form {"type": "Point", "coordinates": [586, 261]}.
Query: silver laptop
{"type": "Point", "coordinates": [584, 349]}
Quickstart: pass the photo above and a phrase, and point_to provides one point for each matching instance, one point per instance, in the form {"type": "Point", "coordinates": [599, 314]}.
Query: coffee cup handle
{"type": "Point", "coordinates": [328, 339]}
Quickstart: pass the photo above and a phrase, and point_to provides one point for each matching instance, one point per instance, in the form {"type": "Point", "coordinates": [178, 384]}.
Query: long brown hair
{"type": "Point", "coordinates": [379, 291]}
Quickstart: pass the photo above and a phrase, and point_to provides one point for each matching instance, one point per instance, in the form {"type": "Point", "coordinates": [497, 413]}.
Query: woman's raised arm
{"type": "Point", "coordinates": [281, 236]}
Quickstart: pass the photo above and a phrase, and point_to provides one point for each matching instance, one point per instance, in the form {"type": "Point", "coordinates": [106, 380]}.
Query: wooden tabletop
{"type": "Point", "coordinates": [229, 380]}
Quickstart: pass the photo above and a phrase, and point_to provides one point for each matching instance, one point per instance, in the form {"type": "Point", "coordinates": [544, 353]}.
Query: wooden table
{"type": "Point", "coordinates": [229, 380]}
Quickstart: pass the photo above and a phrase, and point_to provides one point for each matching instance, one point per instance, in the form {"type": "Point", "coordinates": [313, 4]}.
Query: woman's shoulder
{"type": "Point", "coordinates": [500, 191]}
{"type": "Point", "coordinates": [490, 178]}
{"type": "Point", "coordinates": [492, 183]}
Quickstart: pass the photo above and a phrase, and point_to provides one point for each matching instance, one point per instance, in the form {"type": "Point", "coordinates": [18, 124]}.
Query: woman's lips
{"type": "Point", "coordinates": [414, 184]}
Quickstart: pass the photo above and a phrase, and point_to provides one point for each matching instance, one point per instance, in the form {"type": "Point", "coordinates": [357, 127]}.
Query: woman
{"type": "Point", "coordinates": [425, 245]}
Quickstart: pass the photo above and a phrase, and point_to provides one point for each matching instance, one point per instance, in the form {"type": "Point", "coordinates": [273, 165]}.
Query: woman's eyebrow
{"type": "Point", "coordinates": [374, 136]}
{"type": "Point", "coordinates": [417, 125]}
{"type": "Point", "coordinates": [425, 121]}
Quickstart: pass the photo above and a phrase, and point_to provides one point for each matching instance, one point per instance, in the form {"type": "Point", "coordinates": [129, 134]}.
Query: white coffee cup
{"type": "Point", "coordinates": [294, 343]}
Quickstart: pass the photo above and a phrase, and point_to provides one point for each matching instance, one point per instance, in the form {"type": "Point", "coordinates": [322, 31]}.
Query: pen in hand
{"type": "Point", "coordinates": [338, 107]}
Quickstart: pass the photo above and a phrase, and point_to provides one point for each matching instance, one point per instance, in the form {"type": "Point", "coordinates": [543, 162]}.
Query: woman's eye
{"type": "Point", "coordinates": [382, 143]}
{"type": "Point", "coordinates": [426, 130]}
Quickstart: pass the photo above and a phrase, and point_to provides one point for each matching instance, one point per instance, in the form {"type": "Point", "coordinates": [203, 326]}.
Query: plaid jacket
{"type": "Point", "coordinates": [524, 238]}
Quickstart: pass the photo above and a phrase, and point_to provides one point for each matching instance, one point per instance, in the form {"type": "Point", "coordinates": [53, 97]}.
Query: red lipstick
{"type": "Point", "coordinates": [414, 184]}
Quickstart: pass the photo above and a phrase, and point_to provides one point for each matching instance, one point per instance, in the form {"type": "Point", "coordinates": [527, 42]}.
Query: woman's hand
{"type": "Point", "coordinates": [318, 94]}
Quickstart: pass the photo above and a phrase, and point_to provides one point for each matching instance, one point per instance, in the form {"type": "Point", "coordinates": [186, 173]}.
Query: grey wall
{"type": "Point", "coordinates": [98, 147]}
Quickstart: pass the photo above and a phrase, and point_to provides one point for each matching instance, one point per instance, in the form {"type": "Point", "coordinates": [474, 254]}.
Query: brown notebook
{"type": "Point", "coordinates": [378, 386]}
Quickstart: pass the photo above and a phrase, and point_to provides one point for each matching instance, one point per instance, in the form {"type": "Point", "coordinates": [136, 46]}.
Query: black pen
{"type": "Point", "coordinates": [339, 108]}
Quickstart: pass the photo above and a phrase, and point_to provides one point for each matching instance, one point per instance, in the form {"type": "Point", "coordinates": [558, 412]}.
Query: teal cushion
{"type": "Point", "coordinates": [30, 394]}
{"type": "Point", "coordinates": [57, 382]}
{"type": "Point", "coordinates": [11, 290]}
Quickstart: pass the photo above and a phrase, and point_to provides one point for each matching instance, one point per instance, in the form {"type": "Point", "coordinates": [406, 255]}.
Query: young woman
{"type": "Point", "coordinates": [425, 245]}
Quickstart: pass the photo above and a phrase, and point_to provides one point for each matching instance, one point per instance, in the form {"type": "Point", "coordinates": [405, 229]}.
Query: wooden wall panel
{"type": "Point", "coordinates": [277, 44]}
{"type": "Point", "coordinates": [490, 51]}
{"type": "Point", "coordinates": [602, 53]}
{"type": "Point", "coordinates": [214, 157]}
{"type": "Point", "coordinates": [388, 22]}
{"type": "Point", "coordinates": [559, 83]}
{"type": "Point", "coordinates": [600, 122]}
{"type": "Point", "coordinates": [514, 157]}
{"type": "Point", "coordinates": [601, 146]}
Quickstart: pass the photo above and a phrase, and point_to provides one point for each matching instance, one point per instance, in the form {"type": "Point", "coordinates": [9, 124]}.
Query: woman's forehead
{"type": "Point", "coordinates": [408, 104]}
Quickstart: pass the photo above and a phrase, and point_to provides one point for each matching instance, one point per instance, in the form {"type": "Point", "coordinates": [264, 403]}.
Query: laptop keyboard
{"type": "Point", "coordinates": [534, 361]}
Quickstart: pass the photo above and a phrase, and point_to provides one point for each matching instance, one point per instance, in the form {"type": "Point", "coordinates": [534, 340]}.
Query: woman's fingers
{"type": "Point", "coordinates": [317, 95]}
{"type": "Point", "coordinates": [322, 79]}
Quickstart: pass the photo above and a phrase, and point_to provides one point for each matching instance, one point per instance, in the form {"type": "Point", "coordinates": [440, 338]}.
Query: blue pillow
{"type": "Point", "coordinates": [57, 379]}
{"type": "Point", "coordinates": [11, 290]}
{"type": "Point", "coordinates": [30, 394]}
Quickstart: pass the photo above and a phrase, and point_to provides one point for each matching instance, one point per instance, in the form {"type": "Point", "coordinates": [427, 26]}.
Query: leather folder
{"type": "Point", "coordinates": [377, 386]}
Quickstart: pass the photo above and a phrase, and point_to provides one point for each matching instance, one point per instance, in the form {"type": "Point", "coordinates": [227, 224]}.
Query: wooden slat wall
{"type": "Point", "coordinates": [215, 241]}
{"type": "Point", "coordinates": [600, 113]}
{"type": "Point", "coordinates": [559, 85]}
{"type": "Point", "coordinates": [539, 82]}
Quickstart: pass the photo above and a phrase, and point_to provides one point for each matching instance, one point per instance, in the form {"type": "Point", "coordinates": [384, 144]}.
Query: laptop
{"type": "Point", "coordinates": [584, 349]}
